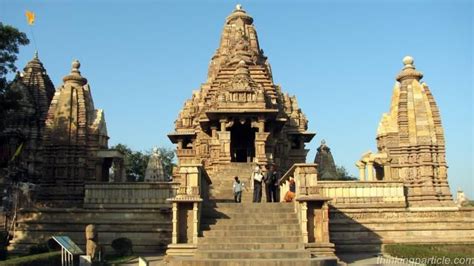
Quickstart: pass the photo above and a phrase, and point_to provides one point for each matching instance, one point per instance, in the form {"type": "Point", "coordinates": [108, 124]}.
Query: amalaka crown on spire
{"type": "Point", "coordinates": [239, 13]}
{"type": "Point", "coordinates": [409, 71]}
{"type": "Point", "coordinates": [35, 65]}
{"type": "Point", "coordinates": [75, 75]}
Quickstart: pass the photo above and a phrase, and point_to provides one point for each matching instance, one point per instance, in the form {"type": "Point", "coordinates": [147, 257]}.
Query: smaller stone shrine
{"type": "Point", "coordinates": [410, 143]}
{"type": "Point", "coordinates": [75, 142]}
{"type": "Point", "coordinates": [154, 170]}
{"type": "Point", "coordinates": [24, 128]}
{"type": "Point", "coordinates": [325, 162]}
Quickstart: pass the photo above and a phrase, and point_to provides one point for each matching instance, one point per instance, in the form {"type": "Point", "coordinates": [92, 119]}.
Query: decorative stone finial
{"type": "Point", "coordinates": [75, 65]}
{"type": "Point", "coordinates": [36, 54]}
{"type": "Point", "coordinates": [75, 75]}
{"type": "Point", "coordinates": [409, 70]}
{"type": "Point", "coordinates": [323, 142]}
{"type": "Point", "coordinates": [239, 12]}
{"type": "Point", "coordinates": [408, 61]}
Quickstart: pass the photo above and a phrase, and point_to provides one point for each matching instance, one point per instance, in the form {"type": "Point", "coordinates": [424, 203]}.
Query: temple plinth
{"type": "Point", "coordinates": [239, 115]}
{"type": "Point", "coordinates": [410, 143]}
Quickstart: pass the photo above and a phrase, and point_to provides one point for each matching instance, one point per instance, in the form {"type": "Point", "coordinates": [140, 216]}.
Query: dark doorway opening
{"type": "Point", "coordinates": [242, 142]}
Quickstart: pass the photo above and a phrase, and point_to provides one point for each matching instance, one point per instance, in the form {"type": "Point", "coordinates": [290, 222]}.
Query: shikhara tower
{"type": "Point", "coordinates": [239, 114]}
{"type": "Point", "coordinates": [410, 142]}
{"type": "Point", "coordinates": [24, 127]}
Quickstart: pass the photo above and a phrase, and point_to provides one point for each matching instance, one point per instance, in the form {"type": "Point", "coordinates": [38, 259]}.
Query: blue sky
{"type": "Point", "coordinates": [340, 58]}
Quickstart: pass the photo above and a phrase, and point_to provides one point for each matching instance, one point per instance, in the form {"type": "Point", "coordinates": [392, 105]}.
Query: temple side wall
{"type": "Point", "coordinates": [368, 229]}
{"type": "Point", "coordinates": [129, 195]}
{"type": "Point", "coordinates": [137, 211]}
{"type": "Point", "coordinates": [355, 194]}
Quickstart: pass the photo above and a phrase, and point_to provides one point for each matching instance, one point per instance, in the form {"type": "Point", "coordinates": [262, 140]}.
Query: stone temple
{"type": "Point", "coordinates": [237, 120]}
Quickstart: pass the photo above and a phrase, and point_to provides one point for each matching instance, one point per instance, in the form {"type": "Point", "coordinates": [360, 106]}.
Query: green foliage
{"type": "Point", "coordinates": [412, 251]}
{"type": "Point", "coordinates": [122, 246]}
{"type": "Point", "coordinates": [38, 249]}
{"type": "Point", "coordinates": [137, 161]}
{"type": "Point", "coordinates": [3, 245]}
{"type": "Point", "coordinates": [50, 258]}
{"type": "Point", "coordinates": [114, 259]}
{"type": "Point", "coordinates": [342, 174]}
{"type": "Point", "coordinates": [10, 41]}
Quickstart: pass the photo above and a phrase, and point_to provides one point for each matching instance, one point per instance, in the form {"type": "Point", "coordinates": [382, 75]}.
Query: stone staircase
{"type": "Point", "coordinates": [248, 233]}
{"type": "Point", "coordinates": [223, 178]}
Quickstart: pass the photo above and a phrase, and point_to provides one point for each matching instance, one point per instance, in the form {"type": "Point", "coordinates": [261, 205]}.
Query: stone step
{"type": "Point", "coordinates": [249, 222]}
{"type": "Point", "coordinates": [330, 261]}
{"type": "Point", "coordinates": [252, 254]}
{"type": "Point", "coordinates": [259, 205]}
{"type": "Point", "coordinates": [237, 227]}
{"type": "Point", "coordinates": [264, 233]}
{"type": "Point", "coordinates": [244, 211]}
{"type": "Point", "coordinates": [254, 239]}
{"type": "Point", "coordinates": [250, 246]}
{"type": "Point", "coordinates": [249, 216]}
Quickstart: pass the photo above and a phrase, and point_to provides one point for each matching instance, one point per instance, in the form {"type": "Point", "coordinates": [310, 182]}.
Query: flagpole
{"type": "Point", "coordinates": [34, 40]}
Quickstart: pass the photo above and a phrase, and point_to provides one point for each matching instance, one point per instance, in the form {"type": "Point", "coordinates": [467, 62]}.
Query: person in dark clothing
{"type": "Point", "coordinates": [271, 184]}
{"type": "Point", "coordinates": [257, 178]}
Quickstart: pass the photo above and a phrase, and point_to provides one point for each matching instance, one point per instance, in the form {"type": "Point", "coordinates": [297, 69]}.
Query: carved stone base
{"type": "Point", "coordinates": [321, 249]}
{"type": "Point", "coordinates": [181, 250]}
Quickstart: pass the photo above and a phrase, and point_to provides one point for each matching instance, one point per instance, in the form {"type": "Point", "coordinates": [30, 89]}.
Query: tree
{"type": "Point", "coordinates": [137, 161]}
{"type": "Point", "coordinates": [10, 41]}
{"type": "Point", "coordinates": [343, 175]}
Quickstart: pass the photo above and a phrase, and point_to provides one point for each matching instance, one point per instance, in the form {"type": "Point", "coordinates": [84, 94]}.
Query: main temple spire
{"type": "Point", "coordinates": [239, 42]}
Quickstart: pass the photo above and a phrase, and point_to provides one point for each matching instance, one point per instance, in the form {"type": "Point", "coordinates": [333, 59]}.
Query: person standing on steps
{"type": "Point", "coordinates": [257, 178]}
{"type": "Point", "coordinates": [271, 184]}
{"type": "Point", "coordinates": [237, 187]}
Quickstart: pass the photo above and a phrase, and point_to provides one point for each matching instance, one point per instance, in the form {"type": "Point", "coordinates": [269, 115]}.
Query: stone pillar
{"type": "Point", "coordinates": [260, 154]}
{"type": "Point", "coordinates": [304, 220]}
{"type": "Point", "coordinates": [387, 172]}
{"type": "Point", "coordinates": [195, 222]}
{"type": "Point", "coordinates": [370, 171]}
{"type": "Point", "coordinates": [361, 166]}
{"type": "Point", "coordinates": [224, 139]}
{"type": "Point", "coordinates": [174, 235]}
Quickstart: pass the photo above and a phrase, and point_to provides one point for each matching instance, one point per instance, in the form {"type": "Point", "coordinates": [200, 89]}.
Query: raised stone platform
{"type": "Point", "coordinates": [149, 230]}
{"type": "Point", "coordinates": [368, 229]}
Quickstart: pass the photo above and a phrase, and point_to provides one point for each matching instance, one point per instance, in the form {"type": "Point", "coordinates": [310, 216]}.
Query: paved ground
{"type": "Point", "coordinates": [349, 258]}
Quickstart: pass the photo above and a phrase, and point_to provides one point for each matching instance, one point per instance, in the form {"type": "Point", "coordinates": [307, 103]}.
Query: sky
{"type": "Point", "coordinates": [143, 59]}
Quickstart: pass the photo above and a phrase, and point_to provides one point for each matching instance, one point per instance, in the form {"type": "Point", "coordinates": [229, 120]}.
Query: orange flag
{"type": "Point", "coordinates": [30, 17]}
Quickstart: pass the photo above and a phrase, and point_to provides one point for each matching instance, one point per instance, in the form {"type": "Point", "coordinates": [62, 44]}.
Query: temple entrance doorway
{"type": "Point", "coordinates": [242, 142]}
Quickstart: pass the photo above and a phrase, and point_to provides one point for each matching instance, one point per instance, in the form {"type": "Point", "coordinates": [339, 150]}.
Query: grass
{"type": "Point", "coordinates": [117, 259]}
{"type": "Point", "coordinates": [450, 253]}
{"type": "Point", "coordinates": [50, 258]}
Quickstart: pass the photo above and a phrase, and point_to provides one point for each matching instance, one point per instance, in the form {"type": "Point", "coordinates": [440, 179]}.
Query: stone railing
{"type": "Point", "coordinates": [359, 194]}
{"type": "Point", "coordinates": [186, 207]}
{"type": "Point", "coordinates": [129, 195]}
{"type": "Point", "coordinates": [311, 208]}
